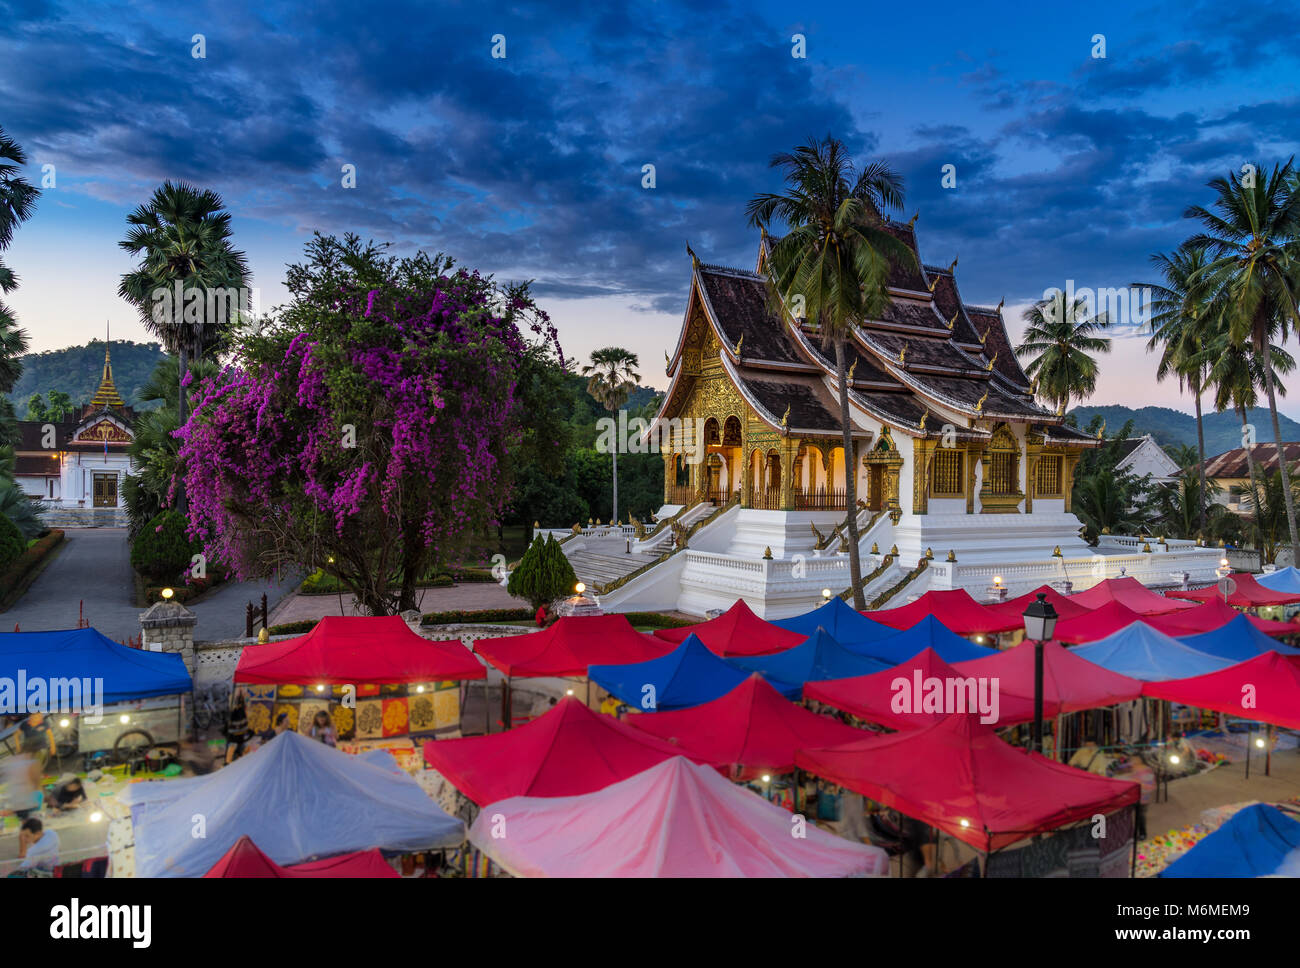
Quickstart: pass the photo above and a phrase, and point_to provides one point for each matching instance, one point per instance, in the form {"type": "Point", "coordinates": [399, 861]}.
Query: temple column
{"type": "Point", "coordinates": [1067, 478]}
{"type": "Point", "coordinates": [787, 474]}
{"type": "Point", "coordinates": [670, 474]}
{"type": "Point", "coordinates": [746, 476]}
{"type": "Point", "coordinates": [921, 452]}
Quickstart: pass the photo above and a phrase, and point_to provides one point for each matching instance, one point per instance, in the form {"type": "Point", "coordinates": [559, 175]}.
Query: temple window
{"type": "Point", "coordinates": [948, 473]}
{"type": "Point", "coordinates": [1048, 476]}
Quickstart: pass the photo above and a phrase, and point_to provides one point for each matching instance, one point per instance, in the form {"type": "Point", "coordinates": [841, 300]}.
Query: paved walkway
{"type": "Point", "coordinates": [469, 596]}
{"type": "Point", "coordinates": [92, 568]}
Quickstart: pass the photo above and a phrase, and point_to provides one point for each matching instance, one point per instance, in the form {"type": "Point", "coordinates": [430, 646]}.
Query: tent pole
{"type": "Point", "coordinates": [1268, 754]}
{"type": "Point", "coordinates": [1133, 863]}
{"type": "Point", "coordinates": [506, 704]}
{"type": "Point", "coordinates": [1248, 756]}
{"type": "Point", "coordinates": [588, 692]}
{"type": "Point", "coordinates": [487, 707]}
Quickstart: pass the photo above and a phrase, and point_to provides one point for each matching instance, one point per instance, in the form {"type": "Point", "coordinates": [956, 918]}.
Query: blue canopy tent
{"type": "Point", "coordinates": [297, 798]}
{"type": "Point", "coordinates": [1238, 641]}
{"type": "Point", "coordinates": [818, 658]}
{"type": "Point", "coordinates": [1139, 651]}
{"type": "Point", "coordinates": [1257, 841]}
{"type": "Point", "coordinates": [689, 675]}
{"type": "Point", "coordinates": [1283, 580]}
{"type": "Point", "coordinates": [929, 633]}
{"type": "Point", "coordinates": [86, 654]}
{"type": "Point", "coordinates": [841, 620]}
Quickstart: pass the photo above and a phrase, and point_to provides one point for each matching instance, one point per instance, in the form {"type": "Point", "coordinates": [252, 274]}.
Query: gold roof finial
{"type": "Point", "coordinates": [1102, 429]}
{"type": "Point", "coordinates": [902, 354]}
{"type": "Point", "coordinates": [785, 417]}
{"type": "Point", "coordinates": [667, 359]}
{"type": "Point", "coordinates": [739, 343]}
{"type": "Point", "coordinates": [953, 322]}
{"type": "Point", "coordinates": [924, 416]}
{"type": "Point", "coordinates": [979, 407]}
{"type": "Point", "coordinates": [852, 368]}
{"type": "Point", "coordinates": [953, 266]}
{"type": "Point", "coordinates": [992, 361]}
{"type": "Point", "coordinates": [985, 336]}
{"type": "Point", "coordinates": [695, 259]}
{"type": "Point", "coordinates": [934, 282]}
{"type": "Point", "coordinates": [912, 223]}
{"type": "Point", "coordinates": [1000, 302]}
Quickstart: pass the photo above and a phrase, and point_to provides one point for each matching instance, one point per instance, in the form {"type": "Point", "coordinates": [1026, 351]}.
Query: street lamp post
{"type": "Point", "coordinates": [1040, 625]}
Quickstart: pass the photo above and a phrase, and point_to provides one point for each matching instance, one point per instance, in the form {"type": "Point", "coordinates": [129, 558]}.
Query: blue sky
{"type": "Point", "coordinates": [1068, 166]}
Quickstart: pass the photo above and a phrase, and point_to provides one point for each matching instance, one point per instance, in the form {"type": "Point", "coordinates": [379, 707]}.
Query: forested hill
{"type": "Point", "coordinates": [76, 370]}
{"type": "Point", "coordinates": [1167, 426]}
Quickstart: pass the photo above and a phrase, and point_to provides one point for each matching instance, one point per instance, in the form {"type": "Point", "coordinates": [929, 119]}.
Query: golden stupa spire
{"type": "Point", "coordinates": [107, 395]}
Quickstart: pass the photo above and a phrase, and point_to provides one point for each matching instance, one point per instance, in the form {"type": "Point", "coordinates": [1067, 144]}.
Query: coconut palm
{"type": "Point", "coordinates": [833, 260]}
{"type": "Point", "coordinates": [1178, 327]}
{"type": "Point", "coordinates": [182, 235]}
{"type": "Point", "coordinates": [1253, 239]}
{"type": "Point", "coordinates": [17, 205]}
{"type": "Point", "coordinates": [1060, 335]}
{"type": "Point", "coordinates": [611, 378]}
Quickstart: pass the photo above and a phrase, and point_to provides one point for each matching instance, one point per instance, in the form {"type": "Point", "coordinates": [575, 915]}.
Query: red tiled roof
{"type": "Point", "coordinates": [1232, 463]}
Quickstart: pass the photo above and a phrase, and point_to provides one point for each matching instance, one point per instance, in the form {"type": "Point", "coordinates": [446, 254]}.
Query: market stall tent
{"type": "Point", "coordinates": [1145, 653]}
{"type": "Point", "coordinates": [840, 619]}
{"type": "Point", "coordinates": [85, 656]}
{"type": "Point", "coordinates": [1256, 841]}
{"type": "Point", "coordinates": [246, 859]}
{"type": "Point", "coordinates": [1070, 683]}
{"type": "Point", "coordinates": [1106, 619]}
{"type": "Point", "coordinates": [929, 633]}
{"type": "Point", "coordinates": [357, 649]}
{"type": "Point", "coordinates": [1212, 615]}
{"type": "Point", "coordinates": [737, 631]}
{"type": "Point", "coordinates": [298, 799]}
{"type": "Point", "coordinates": [957, 775]}
{"type": "Point", "coordinates": [955, 608]}
{"type": "Point", "coordinates": [1246, 593]}
{"type": "Point", "coordinates": [1283, 580]}
{"type": "Point", "coordinates": [1128, 592]}
{"type": "Point", "coordinates": [568, 751]}
{"type": "Point", "coordinates": [1238, 640]}
{"type": "Point", "coordinates": [675, 819]}
{"type": "Point", "coordinates": [819, 657]}
{"type": "Point", "coordinates": [1065, 605]}
{"type": "Point", "coordinates": [687, 676]}
{"type": "Point", "coordinates": [751, 730]}
{"type": "Point", "coordinates": [569, 646]}
{"type": "Point", "coordinates": [1264, 689]}
{"type": "Point", "coordinates": [897, 697]}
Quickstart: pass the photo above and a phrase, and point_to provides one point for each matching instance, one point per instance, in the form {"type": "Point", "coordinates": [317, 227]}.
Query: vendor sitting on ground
{"type": "Point", "coordinates": [68, 794]}
{"type": "Point", "coordinates": [38, 848]}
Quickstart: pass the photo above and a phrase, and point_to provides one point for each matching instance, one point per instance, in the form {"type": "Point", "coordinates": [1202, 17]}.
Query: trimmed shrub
{"type": "Point", "coordinates": [543, 574]}
{"type": "Point", "coordinates": [161, 550]}
{"type": "Point", "coordinates": [12, 543]}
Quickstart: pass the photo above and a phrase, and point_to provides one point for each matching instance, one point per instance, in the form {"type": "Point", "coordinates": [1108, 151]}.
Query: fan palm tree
{"type": "Point", "coordinates": [1178, 328]}
{"type": "Point", "coordinates": [17, 205]}
{"type": "Point", "coordinates": [1062, 334]}
{"type": "Point", "coordinates": [1253, 239]}
{"type": "Point", "coordinates": [611, 378]}
{"type": "Point", "coordinates": [182, 235]}
{"type": "Point", "coordinates": [834, 259]}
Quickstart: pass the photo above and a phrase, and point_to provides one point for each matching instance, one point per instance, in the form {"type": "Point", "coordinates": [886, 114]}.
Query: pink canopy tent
{"type": "Point", "coordinates": [752, 730]}
{"type": "Point", "coordinates": [895, 697]}
{"type": "Point", "coordinates": [1212, 615]}
{"type": "Point", "coordinates": [1107, 619]}
{"type": "Point", "coordinates": [1070, 683]}
{"type": "Point", "coordinates": [569, 646]}
{"type": "Point", "coordinates": [1130, 593]}
{"type": "Point", "coordinates": [245, 859]}
{"type": "Point", "coordinates": [570, 750]}
{"type": "Point", "coordinates": [1065, 605]}
{"type": "Point", "coordinates": [957, 775]}
{"type": "Point", "coordinates": [352, 649]}
{"type": "Point", "coordinates": [672, 820]}
{"type": "Point", "coordinates": [955, 609]}
{"type": "Point", "coordinates": [1248, 593]}
{"type": "Point", "coordinates": [1269, 682]}
{"type": "Point", "coordinates": [737, 631]}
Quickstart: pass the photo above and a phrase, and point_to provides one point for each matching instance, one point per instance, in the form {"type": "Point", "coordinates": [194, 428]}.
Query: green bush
{"type": "Point", "coordinates": [11, 543]}
{"type": "Point", "coordinates": [543, 573]}
{"type": "Point", "coordinates": [658, 620]}
{"type": "Point", "coordinates": [482, 615]}
{"type": "Point", "coordinates": [161, 550]}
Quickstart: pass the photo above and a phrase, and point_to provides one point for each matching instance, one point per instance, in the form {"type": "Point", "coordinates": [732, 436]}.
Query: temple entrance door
{"type": "Point", "coordinates": [105, 491]}
{"type": "Point", "coordinates": [875, 486]}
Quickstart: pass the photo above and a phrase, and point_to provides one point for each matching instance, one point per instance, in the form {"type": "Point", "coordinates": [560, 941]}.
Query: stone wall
{"type": "Point", "coordinates": [74, 517]}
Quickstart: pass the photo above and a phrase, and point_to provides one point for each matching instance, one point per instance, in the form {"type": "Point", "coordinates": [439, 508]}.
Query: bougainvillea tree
{"type": "Point", "coordinates": [367, 429]}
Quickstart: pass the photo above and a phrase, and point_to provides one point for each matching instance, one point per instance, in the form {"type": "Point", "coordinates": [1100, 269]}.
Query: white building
{"type": "Point", "coordinates": [76, 467]}
{"type": "Point", "coordinates": [1142, 456]}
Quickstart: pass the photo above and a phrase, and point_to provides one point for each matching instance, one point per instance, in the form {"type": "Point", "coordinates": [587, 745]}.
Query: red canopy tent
{"type": "Point", "coordinates": [1270, 681]}
{"type": "Point", "coordinates": [352, 649]}
{"type": "Point", "coordinates": [1212, 615]}
{"type": "Point", "coordinates": [1070, 683]}
{"type": "Point", "coordinates": [245, 859]}
{"type": "Point", "coordinates": [1128, 592]}
{"type": "Point", "coordinates": [1105, 620]}
{"type": "Point", "coordinates": [955, 609]}
{"type": "Point", "coordinates": [569, 646]}
{"type": "Point", "coordinates": [1248, 594]}
{"type": "Point", "coordinates": [737, 631]}
{"type": "Point", "coordinates": [958, 776]}
{"type": "Point", "coordinates": [1065, 605]}
{"type": "Point", "coordinates": [753, 728]}
{"type": "Point", "coordinates": [568, 751]}
{"type": "Point", "coordinates": [882, 698]}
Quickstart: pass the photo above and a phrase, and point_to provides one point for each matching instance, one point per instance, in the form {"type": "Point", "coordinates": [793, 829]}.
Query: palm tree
{"type": "Point", "coordinates": [17, 205]}
{"type": "Point", "coordinates": [1109, 501]}
{"type": "Point", "coordinates": [1178, 327]}
{"type": "Point", "coordinates": [834, 259]}
{"type": "Point", "coordinates": [611, 378]}
{"type": "Point", "coordinates": [1253, 239]}
{"type": "Point", "coordinates": [183, 236]}
{"type": "Point", "coordinates": [1063, 334]}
